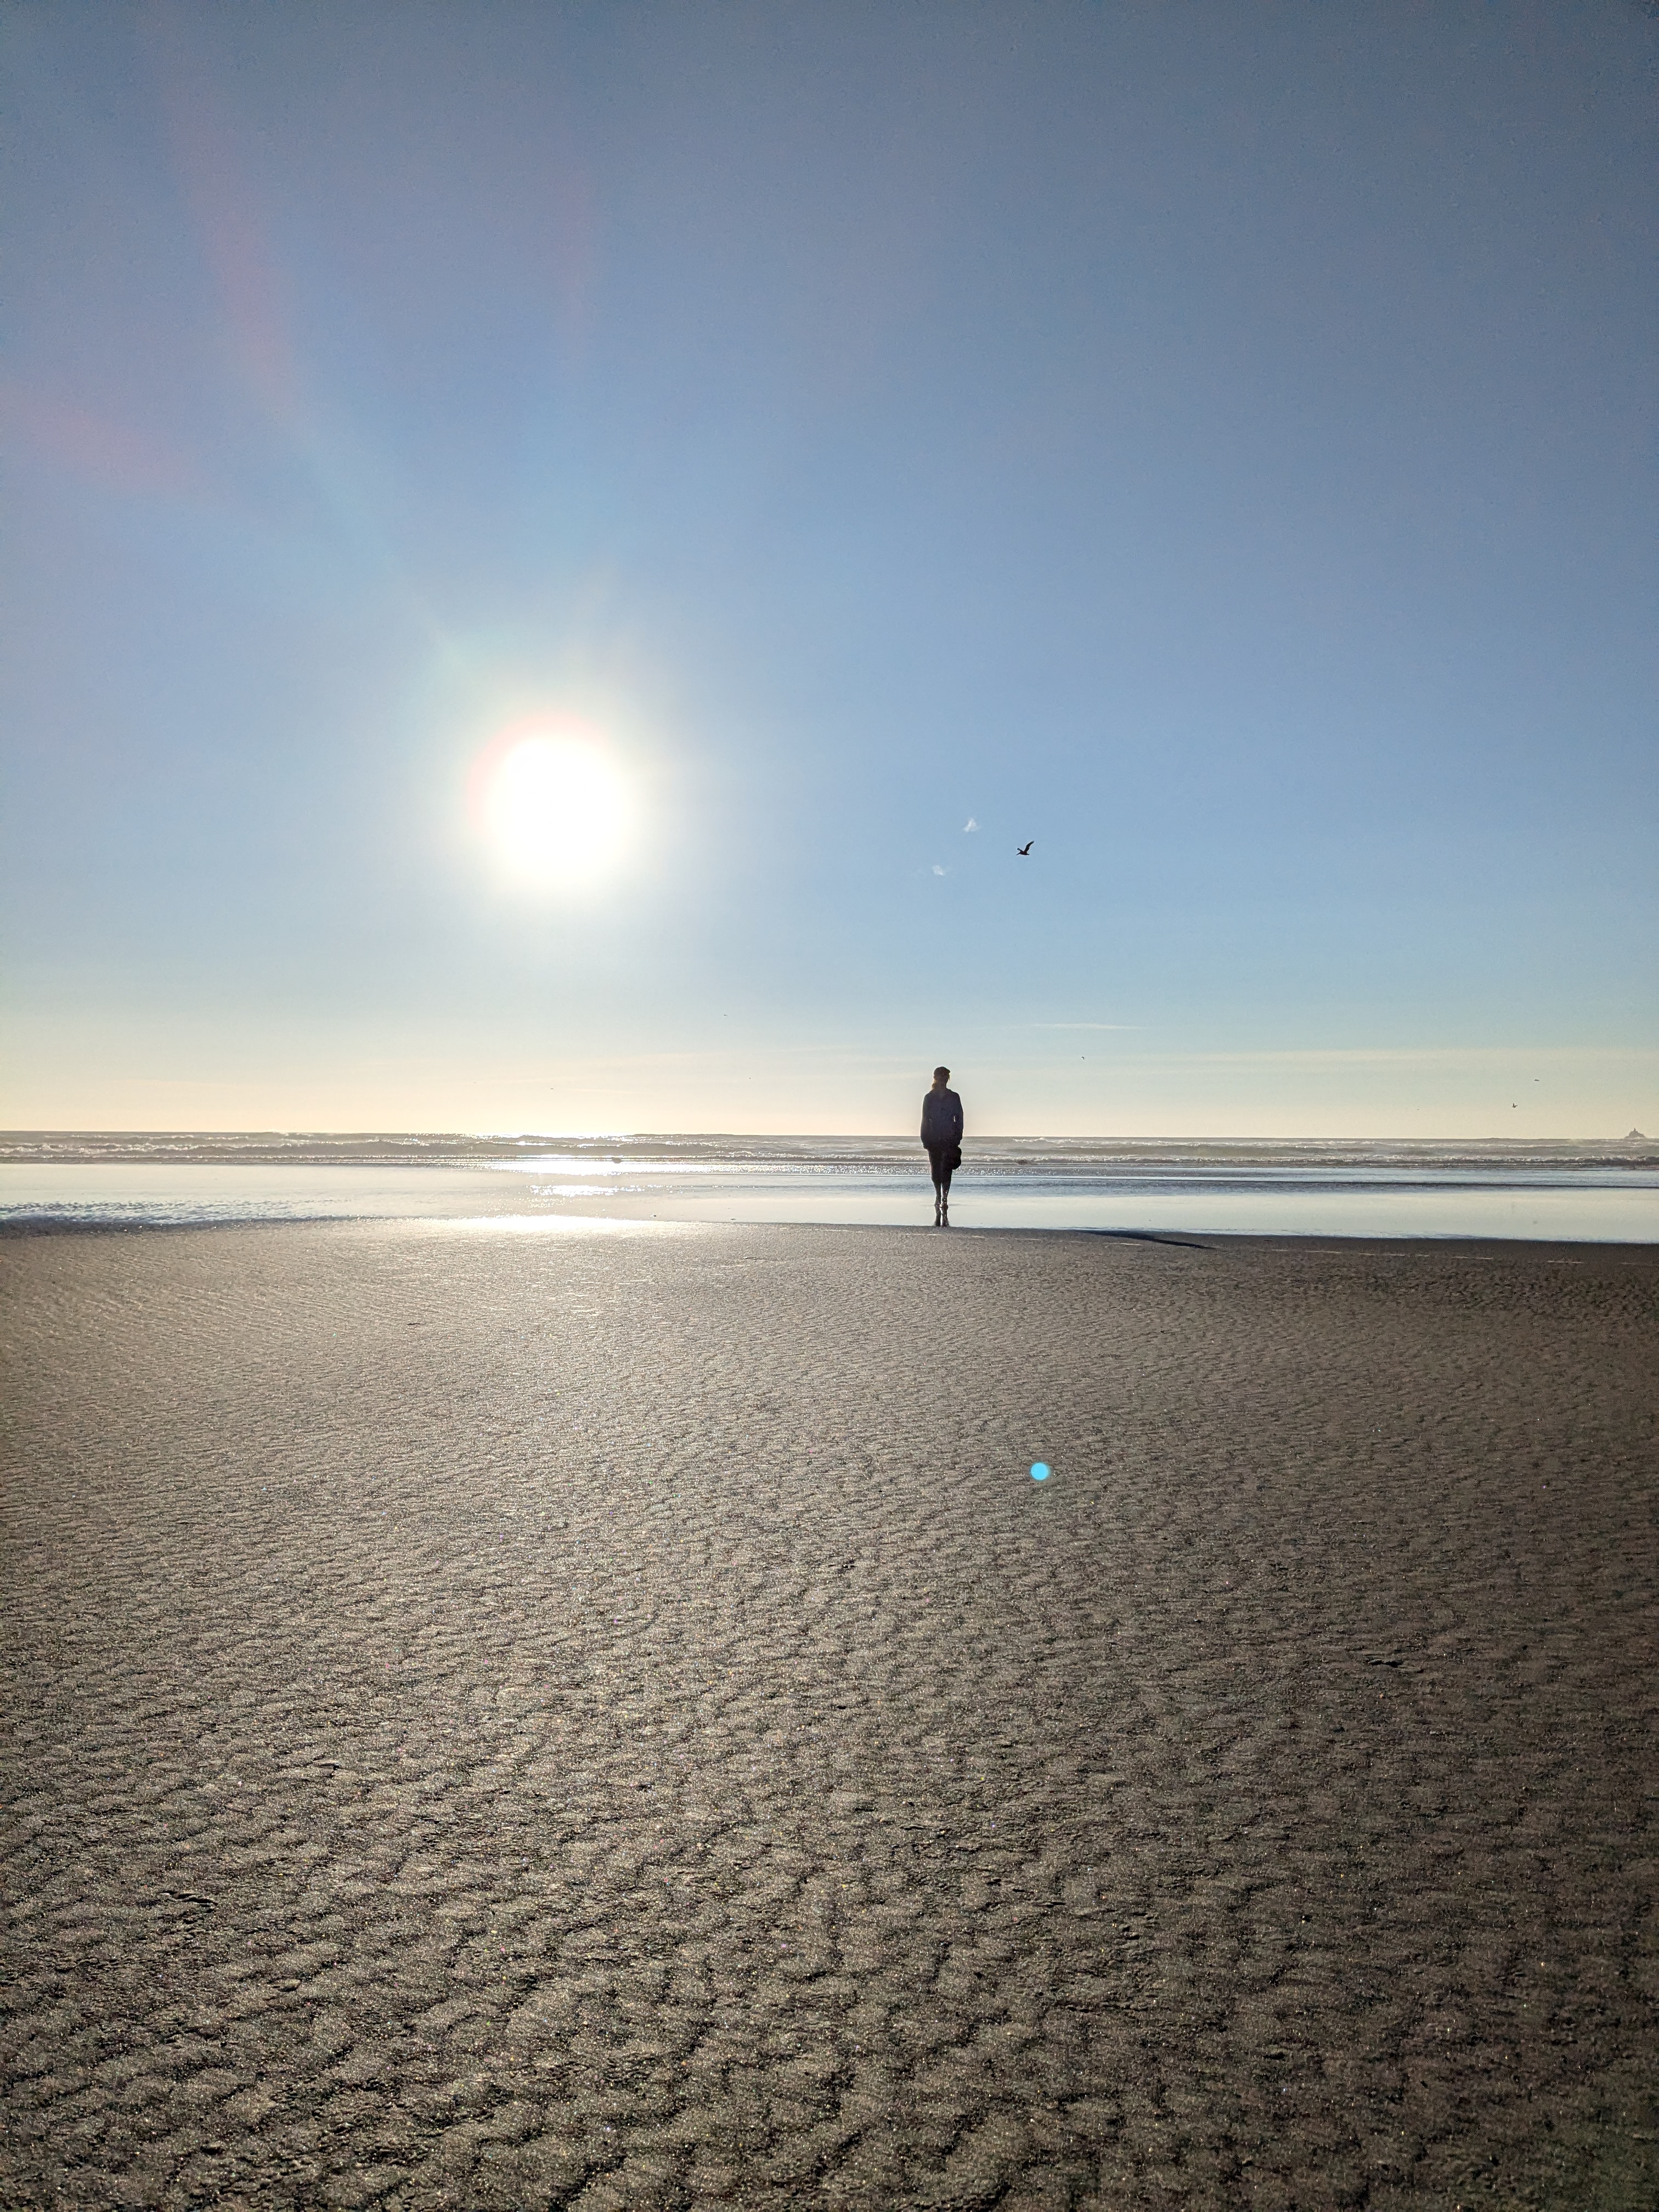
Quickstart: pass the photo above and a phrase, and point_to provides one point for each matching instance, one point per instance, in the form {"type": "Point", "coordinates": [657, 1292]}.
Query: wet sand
{"type": "Point", "coordinates": [539, 1720]}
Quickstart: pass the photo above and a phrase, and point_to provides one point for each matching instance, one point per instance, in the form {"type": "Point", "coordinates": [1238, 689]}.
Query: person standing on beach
{"type": "Point", "coordinates": [941, 1133]}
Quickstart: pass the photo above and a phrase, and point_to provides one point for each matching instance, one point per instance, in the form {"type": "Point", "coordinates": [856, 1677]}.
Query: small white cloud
{"type": "Point", "coordinates": [968, 825]}
{"type": "Point", "coordinates": [938, 871]}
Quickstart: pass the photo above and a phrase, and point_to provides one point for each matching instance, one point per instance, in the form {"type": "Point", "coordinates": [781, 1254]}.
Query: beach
{"type": "Point", "coordinates": [603, 1716]}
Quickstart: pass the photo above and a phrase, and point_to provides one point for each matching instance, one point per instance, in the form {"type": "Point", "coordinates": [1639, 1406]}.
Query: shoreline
{"type": "Point", "coordinates": [29, 1228]}
{"type": "Point", "coordinates": [1384, 1196]}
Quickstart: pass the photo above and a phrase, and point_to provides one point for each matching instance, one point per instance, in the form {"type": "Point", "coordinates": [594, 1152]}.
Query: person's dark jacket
{"type": "Point", "coordinates": [941, 1119]}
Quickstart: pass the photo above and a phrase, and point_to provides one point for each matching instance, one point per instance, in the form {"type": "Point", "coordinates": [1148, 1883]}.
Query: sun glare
{"type": "Point", "coordinates": [554, 805]}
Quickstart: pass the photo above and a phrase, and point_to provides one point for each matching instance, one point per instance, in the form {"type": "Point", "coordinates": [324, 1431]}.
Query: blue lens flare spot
{"type": "Point", "coordinates": [1039, 1472]}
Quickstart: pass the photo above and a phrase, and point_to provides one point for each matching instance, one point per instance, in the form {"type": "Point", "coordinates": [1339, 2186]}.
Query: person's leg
{"type": "Point", "coordinates": [941, 1160]}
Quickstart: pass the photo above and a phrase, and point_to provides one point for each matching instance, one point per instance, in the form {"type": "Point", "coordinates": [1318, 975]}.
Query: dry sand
{"type": "Point", "coordinates": [548, 1720]}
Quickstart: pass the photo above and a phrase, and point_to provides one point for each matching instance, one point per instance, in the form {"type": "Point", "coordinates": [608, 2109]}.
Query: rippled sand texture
{"type": "Point", "coordinates": [526, 1720]}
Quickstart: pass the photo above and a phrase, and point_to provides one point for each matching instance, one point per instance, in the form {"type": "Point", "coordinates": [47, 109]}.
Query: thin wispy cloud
{"type": "Point", "coordinates": [938, 871]}
{"type": "Point", "coordinates": [968, 825]}
{"type": "Point", "coordinates": [1087, 1025]}
{"type": "Point", "coordinates": [1497, 1059]}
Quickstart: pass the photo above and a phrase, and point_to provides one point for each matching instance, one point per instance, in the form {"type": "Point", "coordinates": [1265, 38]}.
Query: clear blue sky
{"type": "Point", "coordinates": [1215, 442]}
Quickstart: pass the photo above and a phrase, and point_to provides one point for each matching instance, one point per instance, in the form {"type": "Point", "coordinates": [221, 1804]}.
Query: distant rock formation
{"type": "Point", "coordinates": [1636, 1137]}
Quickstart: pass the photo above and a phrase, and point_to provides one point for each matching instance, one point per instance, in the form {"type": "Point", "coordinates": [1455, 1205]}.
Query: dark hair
{"type": "Point", "coordinates": [945, 1071]}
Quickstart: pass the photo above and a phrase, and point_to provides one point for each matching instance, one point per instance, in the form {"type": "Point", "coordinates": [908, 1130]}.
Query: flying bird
{"type": "Point", "coordinates": [1023, 849]}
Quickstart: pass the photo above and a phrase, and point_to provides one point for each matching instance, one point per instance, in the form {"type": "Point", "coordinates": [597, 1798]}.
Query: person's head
{"type": "Point", "coordinates": [941, 1076]}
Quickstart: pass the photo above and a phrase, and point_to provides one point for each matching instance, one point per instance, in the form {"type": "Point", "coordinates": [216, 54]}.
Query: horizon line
{"type": "Point", "coordinates": [885, 1136]}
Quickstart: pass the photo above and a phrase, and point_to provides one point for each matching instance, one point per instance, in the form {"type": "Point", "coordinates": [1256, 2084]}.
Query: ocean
{"type": "Point", "coordinates": [1576, 1192]}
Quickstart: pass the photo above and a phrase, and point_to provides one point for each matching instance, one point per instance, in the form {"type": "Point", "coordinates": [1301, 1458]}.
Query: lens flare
{"type": "Point", "coordinates": [554, 804]}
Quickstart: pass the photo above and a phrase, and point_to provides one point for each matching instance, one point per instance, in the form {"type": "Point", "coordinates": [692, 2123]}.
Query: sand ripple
{"type": "Point", "coordinates": [610, 1722]}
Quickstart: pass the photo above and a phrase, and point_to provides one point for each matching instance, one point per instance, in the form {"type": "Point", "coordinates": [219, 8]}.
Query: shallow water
{"type": "Point", "coordinates": [1588, 1193]}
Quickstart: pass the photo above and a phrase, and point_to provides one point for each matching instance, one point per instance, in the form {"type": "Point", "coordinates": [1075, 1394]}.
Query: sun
{"type": "Point", "coordinates": [554, 804]}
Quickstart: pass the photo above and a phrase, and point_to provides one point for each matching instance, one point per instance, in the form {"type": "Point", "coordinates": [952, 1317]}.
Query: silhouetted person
{"type": "Point", "coordinates": [941, 1133]}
